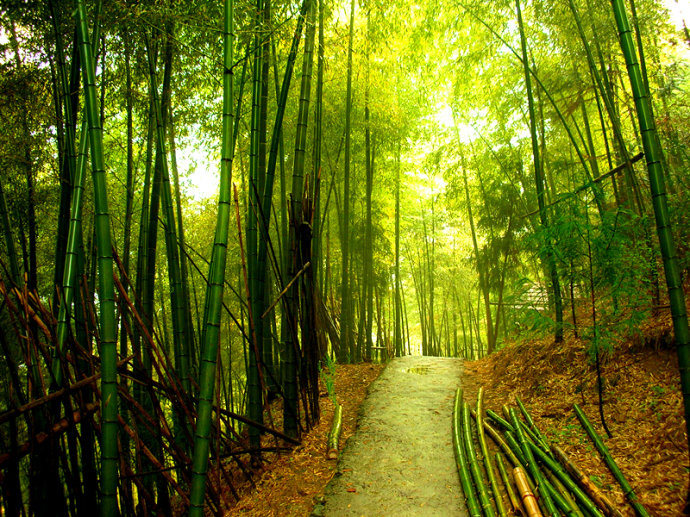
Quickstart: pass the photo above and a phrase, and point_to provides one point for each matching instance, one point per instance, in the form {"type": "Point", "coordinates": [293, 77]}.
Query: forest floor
{"type": "Point", "coordinates": [290, 484]}
{"type": "Point", "coordinates": [642, 407]}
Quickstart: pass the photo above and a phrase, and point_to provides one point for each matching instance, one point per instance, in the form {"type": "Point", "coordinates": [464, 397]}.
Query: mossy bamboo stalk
{"type": "Point", "coordinates": [532, 466]}
{"type": "Point", "coordinates": [484, 499]}
{"type": "Point", "coordinates": [334, 433]}
{"type": "Point", "coordinates": [529, 500]}
{"type": "Point", "coordinates": [461, 458]}
{"type": "Point", "coordinates": [597, 497]}
{"type": "Point", "coordinates": [488, 464]}
{"type": "Point", "coordinates": [512, 496]}
{"type": "Point", "coordinates": [630, 495]}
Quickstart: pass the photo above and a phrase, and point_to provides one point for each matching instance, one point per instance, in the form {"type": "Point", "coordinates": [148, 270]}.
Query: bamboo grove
{"type": "Point", "coordinates": [381, 179]}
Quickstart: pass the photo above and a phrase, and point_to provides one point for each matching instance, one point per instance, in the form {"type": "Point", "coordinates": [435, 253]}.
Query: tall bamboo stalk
{"type": "Point", "coordinates": [654, 154]}
{"type": "Point", "coordinates": [108, 328]}
{"type": "Point", "coordinates": [214, 292]}
{"type": "Point", "coordinates": [548, 255]}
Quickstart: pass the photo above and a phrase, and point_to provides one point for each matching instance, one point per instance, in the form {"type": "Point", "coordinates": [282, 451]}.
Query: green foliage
{"type": "Point", "coordinates": [327, 369]}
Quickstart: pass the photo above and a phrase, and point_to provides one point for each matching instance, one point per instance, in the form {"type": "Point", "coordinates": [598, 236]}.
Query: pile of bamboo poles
{"type": "Point", "coordinates": [542, 480]}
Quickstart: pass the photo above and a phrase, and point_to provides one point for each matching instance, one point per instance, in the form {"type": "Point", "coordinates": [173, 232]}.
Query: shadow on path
{"type": "Point", "coordinates": [400, 460]}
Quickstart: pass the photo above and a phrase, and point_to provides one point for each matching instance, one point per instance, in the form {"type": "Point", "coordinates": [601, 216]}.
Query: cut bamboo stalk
{"type": "Point", "coordinates": [558, 499]}
{"type": "Point", "coordinates": [461, 459]}
{"type": "Point", "coordinates": [526, 494]}
{"type": "Point", "coordinates": [532, 466]}
{"type": "Point", "coordinates": [484, 499]}
{"type": "Point", "coordinates": [499, 419]}
{"type": "Point", "coordinates": [334, 434]}
{"type": "Point", "coordinates": [540, 440]}
{"type": "Point", "coordinates": [597, 497]}
{"type": "Point", "coordinates": [563, 476]}
{"type": "Point", "coordinates": [509, 427]}
{"type": "Point", "coordinates": [488, 464]}
{"type": "Point", "coordinates": [630, 495]}
{"type": "Point", "coordinates": [568, 504]}
{"type": "Point", "coordinates": [512, 496]}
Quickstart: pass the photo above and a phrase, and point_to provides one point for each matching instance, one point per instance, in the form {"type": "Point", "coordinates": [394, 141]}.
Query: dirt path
{"type": "Point", "coordinates": [400, 460]}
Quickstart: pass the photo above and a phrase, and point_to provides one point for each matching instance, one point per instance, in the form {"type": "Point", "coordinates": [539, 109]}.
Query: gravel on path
{"type": "Point", "coordinates": [400, 460]}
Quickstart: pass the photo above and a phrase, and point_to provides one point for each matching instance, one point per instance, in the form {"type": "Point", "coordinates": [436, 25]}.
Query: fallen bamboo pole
{"type": "Point", "coordinates": [484, 499]}
{"type": "Point", "coordinates": [488, 464]}
{"type": "Point", "coordinates": [532, 466]}
{"type": "Point", "coordinates": [461, 459]}
{"type": "Point", "coordinates": [564, 478]}
{"type": "Point", "coordinates": [597, 497]}
{"type": "Point", "coordinates": [630, 495]}
{"type": "Point", "coordinates": [526, 494]}
{"type": "Point", "coordinates": [334, 434]}
{"type": "Point", "coordinates": [512, 496]}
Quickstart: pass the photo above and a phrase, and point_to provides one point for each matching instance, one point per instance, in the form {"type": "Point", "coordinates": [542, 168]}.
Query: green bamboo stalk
{"type": "Point", "coordinates": [316, 159]}
{"type": "Point", "coordinates": [533, 467]}
{"type": "Point", "coordinates": [548, 254]}
{"type": "Point", "coordinates": [558, 499]}
{"type": "Point", "coordinates": [512, 496]}
{"type": "Point", "coordinates": [475, 469]}
{"type": "Point", "coordinates": [488, 464]}
{"type": "Point", "coordinates": [216, 278]}
{"type": "Point", "coordinates": [461, 458]}
{"type": "Point", "coordinates": [344, 349]}
{"type": "Point", "coordinates": [564, 477]}
{"type": "Point", "coordinates": [540, 440]}
{"type": "Point", "coordinates": [654, 154]}
{"type": "Point", "coordinates": [630, 495]}
{"type": "Point", "coordinates": [334, 433]}
{"type": "Point", "coordinates": [605, 94]}
{"type": "Point", "coordinates": [108, 327]}
{"type": "Point", "coordinates": [254, 392]}
{"type": "Point", "coordinates": [573, 508]}
{"type": "Point", "coordinates": [177, 303]}
{"type": "Point", "coordinates": [9, 239]}
{"type": "Point", "coordinates": [598, 498]}
{"type": "Point", "coordinates": [498, 440]}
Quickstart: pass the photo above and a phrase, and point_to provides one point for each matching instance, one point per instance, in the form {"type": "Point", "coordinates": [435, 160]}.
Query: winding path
{"type": "Point", "coordinates": [400, 460]}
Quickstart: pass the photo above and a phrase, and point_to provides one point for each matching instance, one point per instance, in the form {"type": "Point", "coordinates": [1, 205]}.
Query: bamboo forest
{"type": "Point", "coordinates": [322, 257]}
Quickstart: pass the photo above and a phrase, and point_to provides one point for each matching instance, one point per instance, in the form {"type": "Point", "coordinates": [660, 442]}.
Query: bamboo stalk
{"type": "Point", "coordinates": [487, 507]}
{"type": "Point", "coordinates": [563, 476]}
{"type": "Point", "coordinates": [540, 440]}
{"type": "Point", "coordinates": [334, 434]}
{"type": "Point", "coordinates": [526, 494]}
{"type": "Point", "coordinates": [461, 459]}
{"type": "Point", "coordinates": [597, 497]}
{"type": "Point", "coordinates": [532, 466]}
{"type": "Point", "coordinates": [488, 464]}
{"type": "Point", "coordinates": [630, 495]}
{"type": "Point", "coordinates": [512, 496]}
{"type": "Point", "coordinates": [572, 506]}
{"type": "Point", "coordinates": [559, 500]}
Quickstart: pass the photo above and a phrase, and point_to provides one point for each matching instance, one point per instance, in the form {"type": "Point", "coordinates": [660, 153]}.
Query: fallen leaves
{"type": "Point", "coordinates": [290, 483]}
